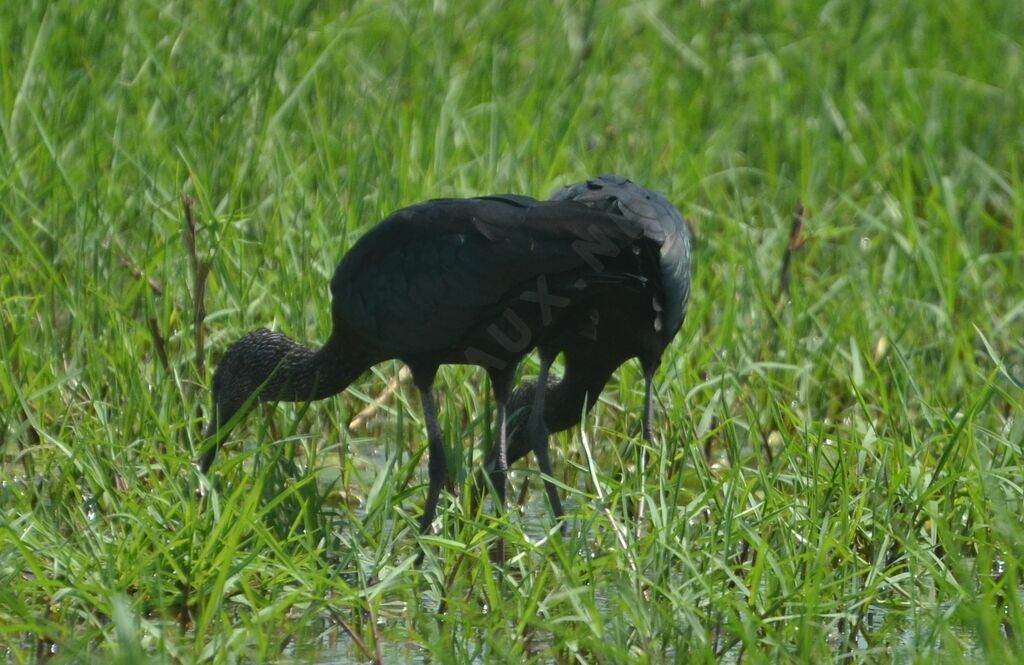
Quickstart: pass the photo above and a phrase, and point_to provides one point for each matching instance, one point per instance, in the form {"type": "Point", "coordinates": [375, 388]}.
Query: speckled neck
{"type": "Point", "coordinates": [306, 375]}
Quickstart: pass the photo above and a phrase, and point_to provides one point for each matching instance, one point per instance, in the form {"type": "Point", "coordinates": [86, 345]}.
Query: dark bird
{"type": "Point", "coordinates": [624, 324]}
{"type": "Point", "coordinates": [456, 281]}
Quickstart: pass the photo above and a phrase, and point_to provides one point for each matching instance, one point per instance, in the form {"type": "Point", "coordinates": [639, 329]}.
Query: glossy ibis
{"type": "Point", "coordinates": [455, 281]}
{"type": "Point", "coordinates": [624, 324]}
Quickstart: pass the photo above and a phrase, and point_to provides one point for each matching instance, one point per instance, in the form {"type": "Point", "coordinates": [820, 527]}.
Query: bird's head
{"type": "Point", "coordinates": [248, 367]}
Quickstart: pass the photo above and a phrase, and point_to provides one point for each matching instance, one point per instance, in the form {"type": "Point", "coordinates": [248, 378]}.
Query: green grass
{"type": "Point", "coordinates": [840, 469]}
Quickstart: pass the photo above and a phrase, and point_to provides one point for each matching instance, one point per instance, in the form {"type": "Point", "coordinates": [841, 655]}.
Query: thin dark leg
{"type": "Point", "coordinates": [648, 426]}
{"type": "Point", "coordinates": [502, 385]}
{"type": "Point", "coordinates": [437, 465]}
{"type": "Point", "coordinates": [649, 405]}
{"type": "Point", "coordinates": [538, 433]}
{"type": "Point", "coordinates": [501, 382]}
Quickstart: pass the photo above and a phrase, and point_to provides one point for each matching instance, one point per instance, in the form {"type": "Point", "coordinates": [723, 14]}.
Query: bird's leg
{"type": "Point", "coordinates": [501, 382]}
{"type": "Point", "coordinates": [648, 435]}
{"type": "Point", "coordinates": [649, 405]}
{"type": "Point", "coordinates": [437, 465]}
{"type": "Point", "coordinates": [538, 433]}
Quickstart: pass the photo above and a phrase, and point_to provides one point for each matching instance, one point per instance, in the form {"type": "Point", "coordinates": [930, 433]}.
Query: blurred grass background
{"type": "Point", "coordinates": [841, 471]}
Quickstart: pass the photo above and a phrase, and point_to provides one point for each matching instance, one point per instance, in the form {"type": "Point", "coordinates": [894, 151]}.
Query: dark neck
{"type": "Point", "coordinates": [564, 401]}
{"type": "Point", "coordinates": [578, 388]}
{"type": "Point", "coordinates": [307, 375]}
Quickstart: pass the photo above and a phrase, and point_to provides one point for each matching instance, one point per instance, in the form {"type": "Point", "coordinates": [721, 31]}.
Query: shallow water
{"type": "Point", "coordinates": [334, 645]}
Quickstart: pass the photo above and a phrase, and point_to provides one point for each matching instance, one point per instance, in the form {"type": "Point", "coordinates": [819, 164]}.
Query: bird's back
{"type": "Point", "coordinates": [660, 220]}
{"type": "Point", "coordinates": [436, 277]}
